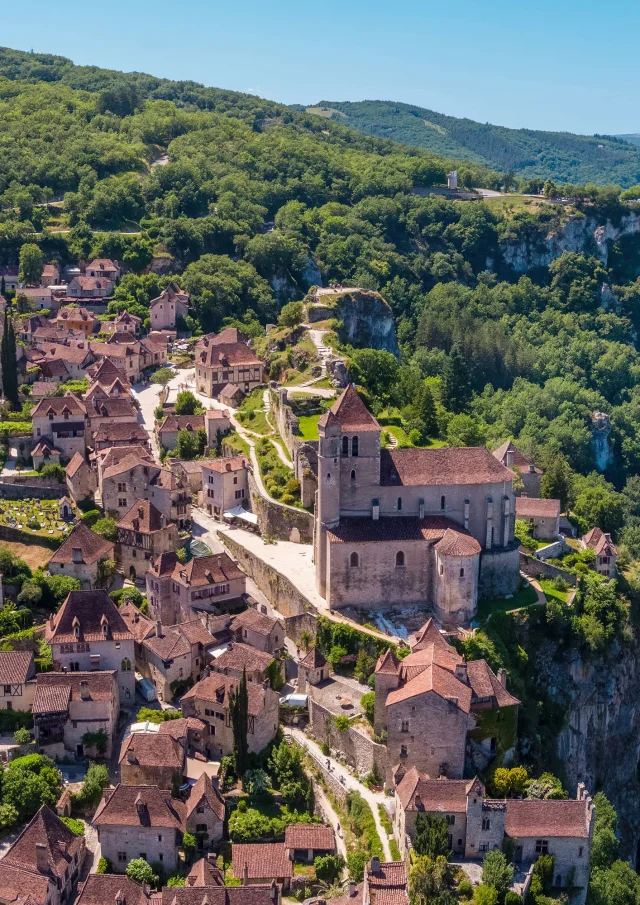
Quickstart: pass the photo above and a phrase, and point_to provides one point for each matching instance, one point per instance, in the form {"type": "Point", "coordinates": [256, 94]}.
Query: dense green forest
{"type": "Point", "coordinates": [529, 153]}
{"type": "Point", "coordinates": [255, 203]}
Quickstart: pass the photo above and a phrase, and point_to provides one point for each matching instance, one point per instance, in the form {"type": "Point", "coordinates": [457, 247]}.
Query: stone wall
{"type": "Point", "coordinates": [357, 748]}
{"type": "Point", "coordinates": [537, 568]}
{"type": "Point", "coordinates": [499, 574]}
{"type": "Point", "coordinates": [277, 588]}
{"type": "Point", "coordinates": [15, 488]}
{"type": "Point", "coordinates": [551, 551]}
{"type": "Point", "coordinates": [16, 536]}
{"type": "Point", "coordinates": [303, 622]}
{"type": "Point", "coordinates": [280, 521]}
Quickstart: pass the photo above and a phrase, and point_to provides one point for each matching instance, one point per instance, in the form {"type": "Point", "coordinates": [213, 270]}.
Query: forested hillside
{"type": "Point", "coordinates": [255, 203]}
{"type": "Point", "coordinates": [561, 156]}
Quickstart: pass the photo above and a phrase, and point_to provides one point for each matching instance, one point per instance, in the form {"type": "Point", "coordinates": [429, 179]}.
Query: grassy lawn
{"type": "Point", "coordinates": [251, 413]}
{"type": "Point", "coordinates": [33, 554]}
{"type": "Point", "coordinates": [552, 593]}
{"type": "Point", "coordinates": [488, 605]}
{"type": "Point", "coordinates": [507, 204]}
{"type": "Point", "coordinates": [308, 427]}
{"type": "Point", "coordinates": [237, 444]}
{"type": "Point", "coordinates": [390, 421]}
{"type": "Point", "coordinates": [294, 378]}
{"type": "Point", "coordinates": [304, 870]}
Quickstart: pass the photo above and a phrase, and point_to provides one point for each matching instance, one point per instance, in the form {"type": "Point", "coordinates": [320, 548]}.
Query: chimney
{"type": "Point", "coordinates": [418, 801]}
{"type": "Point", "coordinates": [158, 628]}
{"type": "Point", "coordinates": [84, 690]}
{"type": "Point", "coordinates": [352, 888]}
{"type": "Point", "coordinates": [509, 459]}
{"type": "Point", "coordinates": [502, 676]}
{"type": "Point", "coordinates": [42, 859]}
{"type": "Point", "coordinates": [51, 622]}
{"type": "Point", "coordinates": [375, 865]}
{"type": "Point", "coordinates": [245, 874]}
{"type": "Point", "coordinates": [461, 672]}
{"type": "Point", "coordinates": [532, 468]}
{"type": "Point", "coordinates": [76, 554]}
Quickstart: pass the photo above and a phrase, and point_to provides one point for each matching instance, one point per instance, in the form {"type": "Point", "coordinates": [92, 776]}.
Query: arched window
{"type": "Point", "coordinates": [461, 573]}
{"type": "Point", "coordinates": [353, 474]}
{"type": "Point", "coordinates": [345, 446]}
{"type": "Point", "coordinates": [354, 446]}
{"type": "Point", "coordinates": [442, 502]}
{"type": "Point", "coordinates": [399, 559]}
{"type": "Point", "coordinates": [126, 664]}
{"type": "Point", "coordinates": [441, 569]}
{"type": "Point", "coordinates": [399, 505]}
{"type": "Point", "coordinates": [328, 476]}
{"type": "Point", "coordinates": [354, 560]}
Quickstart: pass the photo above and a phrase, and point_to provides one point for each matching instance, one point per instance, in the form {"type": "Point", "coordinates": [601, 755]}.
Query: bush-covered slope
{"type": "Point", "coordinates": [561, 156]}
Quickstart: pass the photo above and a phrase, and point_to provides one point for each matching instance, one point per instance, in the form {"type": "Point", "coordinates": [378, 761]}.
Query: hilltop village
{"type": "Point", "coordinates": [242, 669]}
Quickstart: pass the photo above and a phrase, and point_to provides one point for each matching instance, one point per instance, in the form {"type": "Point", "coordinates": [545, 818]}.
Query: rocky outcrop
{"type": "Point", "coordinates": [580, 234]}
{"type": "Point", "coordinates": [366, 320]}
{"type": "Point", "coordinates": [600, 430]}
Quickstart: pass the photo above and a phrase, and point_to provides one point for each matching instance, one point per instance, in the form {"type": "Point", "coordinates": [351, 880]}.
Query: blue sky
{"type": "Point", "coordinates": [543, 64]}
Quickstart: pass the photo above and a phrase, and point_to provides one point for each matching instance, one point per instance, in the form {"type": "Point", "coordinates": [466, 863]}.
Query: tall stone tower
{"type": "Point", "coordinates": [328, 494]}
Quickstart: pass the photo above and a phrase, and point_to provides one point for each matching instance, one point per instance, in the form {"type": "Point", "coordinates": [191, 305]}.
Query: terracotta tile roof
{"type": "Point", "coordinates": [133, 457]}
{"type": "Point", "coordinates": [219, 895]}
{"type": "Point", "coordinates": [391, 529]}
{"type": "Point", "coordinates": [55, 690]}
{"type": "Point", "coordinates": [102, 889]}
{"type": "Point", "coordinates": [448, 465]}
{"type": "Point", "coordinates": [204, 789]}
{"type": "Point", "coordinates": [93, 610]}
{"type": "Point", "coordinates": [388, 663]}
{"type": "Point", "coordinates": [521, 462]}
{"type": "Point", "coordinates": [178, 728]}
{"type": "Point", "coordinates": [457, 543]}
{"type": "Point", "coordinates": [351, 413]}
{"type": "Point", "coordinates": [257, 622]}
{"type": "Point", "coordinates": [195, 632]}
{"type": "Point", "coordinates": [21, 887]}
{"type": "Point", "coordinates": [123, 430]}
{"type": "Point", "coordinates": [58, 405]}
{"type": "Point", "coordinates": [532, 507]}
{"type": "Point", "coordinates": [216, 415]}
{"type": "Point", "coordinates": [125, 318]}
{"type": "Point", "coordinates": [242, 656]}
{"type": "Point", "coordinates": [76, 314]}
{"type": "Point", "coordinates": [168, 646]}
{"type": "Point", "coordinates": [600, 542]}
{"type": "Point", "coordinates": [152, 750]}
{"type": "Point", "coordinates": [139, 806]}
{"type": "Point", "coordinates": [45, 447]}
{"type": "Point", "coordinates": [102, 264]}
{"type": "Point", "coordinates": [43, 388]}
{"type": "Point", "coordinates": [446, 795]}
{"type": "Point", "coordinates": [485, 683]}
{"type": "Point", "coordinates": [143, 517]}
{"type": "Point", "coordinates": [174, 423]}
{"type": "Point", "coordinates": [446, 657]}
{"type": "Point", "coordinates": [204, 570]}
{"type": "Point", "coordinates": [45, 828]}
{"type": "Point", "coordinates": [529, 817]}
{"type": "Point", "coordinates": [118, 407]}
{"type": "Point", "coordinates": [204, 873]}
{"type": "Point", "coordinates": [310, 835]}
{"type": "Point", "coordinates": [105, 373]}
{"type": "Point", "coordinates": [74, 354]}
{"type": "Point", "coordinates": [264, 861]}
{"type": "Point", "coordinates": [435, 679]}
{"type": "Point", "coordinates": [428, 634]}
{"type": "Point", "coordinates": [233, 463]}
{"type": "Point", "coordinates": [90, 283]}
{"type": "Point", "coordinates": [138, 625]}
{"type": "Point", "coordinates": [16, 666]}
{"type": "Point", "coordinates": [165, 564]}
{"type": "Point", "coordinates": [224, 350]}
{"type": "Point", "coordinates": [77, 461]}
{"type": "Point", "coordinates": [388, 885]}
{"type": "Point", "coordinates": [315, 659]}
{"type": "Point", "coordinates": [230, 390]}
{"type": "Point", "coordinates": [216, 689]}
{"type": "Point", "coordinates": [93, 547]}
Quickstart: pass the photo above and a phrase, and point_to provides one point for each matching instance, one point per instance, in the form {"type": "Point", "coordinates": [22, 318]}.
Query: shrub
{"type": "Point", "coordinates": [140, 871]}
{"type": "Point", "coordinates": [363, 823]}
{"type": "Point", "coordinates": [512, 898]}
{"type": "Point", "coordinates": [465, 889]}
{"type": "Point", "coordinates": [76, 826]}
{"type": "Point", "coordinates": [368, 703]}
{"type": "Point", "coordinates": [328, 867]}
{"type": "Point", "coordinates": [248, 826]}
{"type": "Point", "coordinates": [356, 862]}
{"type": "Point", "coordinates": [342, 723]}
{"type": "Point", "coordinates": [22, 736]}
{"type": "Point", "coordinates": [104, 867]}
{"type": "Point", "coordinates": [485, 895]}
{"type": "Point", "coordinates": [175, 880]}
{"type": "Point", "coordinates": [324, 747]}
{"type": "Point", "coordinates": [157, 716]}
{"type": "Point", "coordinates": [90, 517]}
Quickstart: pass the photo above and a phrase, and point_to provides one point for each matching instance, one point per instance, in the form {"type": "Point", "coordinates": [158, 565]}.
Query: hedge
{"type": "Point", "coordinates": [337, 634]}
{"type": "Point", "coordinates": [10, 720]}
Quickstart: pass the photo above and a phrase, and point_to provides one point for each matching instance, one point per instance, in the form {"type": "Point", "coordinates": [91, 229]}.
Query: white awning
{"type": "Point", "coordinates": [239, 512]}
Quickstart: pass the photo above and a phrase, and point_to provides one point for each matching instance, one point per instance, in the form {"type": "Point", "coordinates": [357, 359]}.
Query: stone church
{"type": "Point", "coordinates": [396, 528]}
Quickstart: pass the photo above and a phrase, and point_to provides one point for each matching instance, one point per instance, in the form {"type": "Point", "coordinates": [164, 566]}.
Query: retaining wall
{"type": "Point", "coordinates": [357, 748]}
{"type": "Point", "coordinates": [280, 521]}
{"type": "Point", "coordinates": [551, 551]}
{"type": "Point", "coordinates": [16, 536]}
{"type": "Point", "coordinates": [296, 625]}
{"type": "Point", "coordinates": [34, 488]}
{"type": "Point", "coordinates": [537, 568]}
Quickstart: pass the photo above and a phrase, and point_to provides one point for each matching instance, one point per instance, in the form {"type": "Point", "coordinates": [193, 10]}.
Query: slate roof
{"type": "Point", "coordinates": [152, 750]}
{"type": "Point", "coordinates": [532, 507]}
{"type": "Point", "coordinates": [94, 547]}
{"type": "Point", "coordinates": [89, 608]}
{"type": "Point", "coordinates": [143, 517]}
{"type": "Point", "coordinates": [263, 860]}
{"type": "Point", "coordinates": [16, 666]}
{"type": "Point", "coordinates": [530, 817]}
{"type": "Point", "coordinates": [448, 465]}
{"type": "Point", "coordinates": [257, 622]}
{"type": "Point", "coordinates": [204, 789]}
{"type": "Point", "coordinates": [216, 689]}
{"type": "Point", "coordinates": [158, 808]}
{"type": "Point", "coordinates": [310, 835]}
{"type": "Point", "coordinates": [45, 828]}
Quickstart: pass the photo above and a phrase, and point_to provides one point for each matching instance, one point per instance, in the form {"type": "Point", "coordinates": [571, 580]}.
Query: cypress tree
{"type": "Point", "coordinates": [239, 710]}
{"type": "Point", "coordinates": [9, 364]}
{"type": "Point", "coordinates": [425, 409]}
{"type": "Point", "coordinates": [456, 382]}
{"type": "Point", "coordinates": [3, 286]}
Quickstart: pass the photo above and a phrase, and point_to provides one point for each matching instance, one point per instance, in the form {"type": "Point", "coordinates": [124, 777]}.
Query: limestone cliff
{"type": "Point", "coordinates": [579, 233]}
{"type": "Point", "coordinates": [365, 319]}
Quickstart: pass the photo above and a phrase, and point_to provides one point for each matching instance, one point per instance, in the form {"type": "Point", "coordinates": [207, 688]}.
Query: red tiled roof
{"type": "Point", "coordinates": [199, 571]}
{"type": "Point", "coordinates": [121, 430]}
{"type": "Point", "coordinates": [58, 405]}
{"type": "Point", "coordinates": [133, 457]}
{"type": "Point", "coordinates": [600, 542]}
{"type": "Point", "coordinates": [388, 663]}
{"type": "Point", "coordinates": [436, 679]}
{"type": "Point", "coordinates": [529, 817]}
{"type": "Point", "coordinates": [257, 622]}
{"type": "Point", "coordinates": [138, 625]}
{"type": "Point", "coordinates": [157, 808]}
{"type": "Point", "coordinates": [168, 646]}
{"type": "Point", "coordinates": [77, 461]}
{"type": "Point", "coordinates": [242, 656]}
{"type": "Point", "coordinates": [102, 889]}
{"type": "Point", "coordinates": [143, 517]}
{"type": "Point", "coordinates": [216, 689]}
{"type": "Point", "coordinates": [92, 610]}
{"type": "Point", "coordinates": [204, 873]}
{"type": "Point", "coordinates": [16, 666]}
{"type": "Point", "coordinates": [351, 413]}
{"type": "Point", "coordinates": [457, 543]}
{"type": "Point", "coordinates": [204, 789]}
{"type": "Point", "coordinates": [310, 835]}
{"type": "Point", "coordinates": [485, 683]}
{"type": "Point", "coordinates": [195, 632]}
{"type": "Point", "coordinates": [102, 264]}
{"type": "Point", "coordinates": [174, 423]}
{"type": "Point", "coordinates": [394, 528]}
{"type": "Point", "coordinates": [521, 462]}
{"type": "Point", "coordinates": [263, 861]}
{"type": "Point", "coordinates": [178, 728]}
{"type": "Point", "coordinates": [388, 885]}
{"type": "Point", "coordinates": [532, 507]}
{"type": "Point", "coordinates": [152, 750]}
{"type": "Point", "coordinates": [54, 690]}
{"type": "Point", "coordinates": [233, 463]}
{"type": "Point", "coordinates": [447, 795]}
{"type": "Point", "coordinates": [218, 895]}
{"type": "Point", "coordinates": [315, 659]}
{"type": "Point", "coordinates": [93, 546]}
{"type": "Point", "coordinates": [46, 829]}
{"type": "Point", "coordinates": [21, 886]}
{"type": "Point", "coordinates": [118, 407]}
{"type": "Point", "coordinates": [429, 634]}
{"type": "Point", "coordinates": [448, 465]}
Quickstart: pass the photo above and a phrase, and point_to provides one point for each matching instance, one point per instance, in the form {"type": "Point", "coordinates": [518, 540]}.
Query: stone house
{"type": "Point", "coordinates": [510, 456]}
{"type": "Point", "coordinates": [126, 323]}
{"type": "Point", "coordinates": [231, 395]}
{"type": "Point", "coordinates": [88, 633]}
{"type": "Point", "coordinates": [190, 473]}
{"type": "Point", "coordinates": [190, 732]}
{"type": "Point", "coordinates": [168, 307]}
{"type": "Point", "coordinates": [217, 423]}
{"type": "Point", "coordinates": [114, 455]}
{"type": "Point", "coordinates": [153, 351]}
{"type": "Point", "coordinates": [88, 287]}
{"type": "Point", "coordinates": [39, 298]}
{"type": "Point", "coordinates": [239, 658]}
{"type": "Point", "coordinates": [208, 700]}
{"type": "Point", "coordinates": [67, 705]}
{"type": "Point", "coordinates": [312, 669]}
{"type": "Point", "coordinates": [136, 476]}
{"type": "Point", "coordinates": [143, 534]}
{"type": "Point", "coordinates": [409, 527]}
{"type": "Point", "coordinates": [167, 660]}
{"type": "Point", "coordinates": [434, 695]}
{"type": "Point", "coordinates": [205, 812]}
{"type": "Point", "coordinates": [226, 358]}
{"type": "Point", "coordinates": [77, 319]}
{"type": "Point", "coordinates": [151, 759]}
{"type": "Point", "coordinates": [168, 430]}
{"type": "Point", "coordinates": [104, 373]}
{"type": "Point", "coordinates": [127, 358]}
{"type": "Point", "coordinates": [50, 275]}
{"type": "Point", "coordinates": [81, 480]}
{"type": "Point", "coordinates": [259, 630]}
{"type": "Point", "coordinates": [80, 556]}
{"type": "Point", "coordinates": [605, 550]}
{"type": "Point", "coordinates": [178, 592]}
{"type": "Point", "coordinates": [103, 267]}
{"type": "Point", "coordinates": [63, 421]}
{"type": "Point", "coordinates": [306, 841]}
{"type": "Point", "coordinates": [119, 410]}
{"type": "Point", "coordinates": [17, 679]}
{"type": "Point", "coordinates": [42, 865]}
{"type": "Point", "coordinates": [225, 484]}
{"type": "Point", "coordinates": [10, 274]}
{"type": "Point", "coordinates": [261, 863]}
{"type": "Point", "coordinates": [73, 356]}
{"type": "Point", "coordinates": [139, 822]}
{"type": "Point", "coordinates": [542, 515]}
{"type": "Point", "coordinates": [45, 454]}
